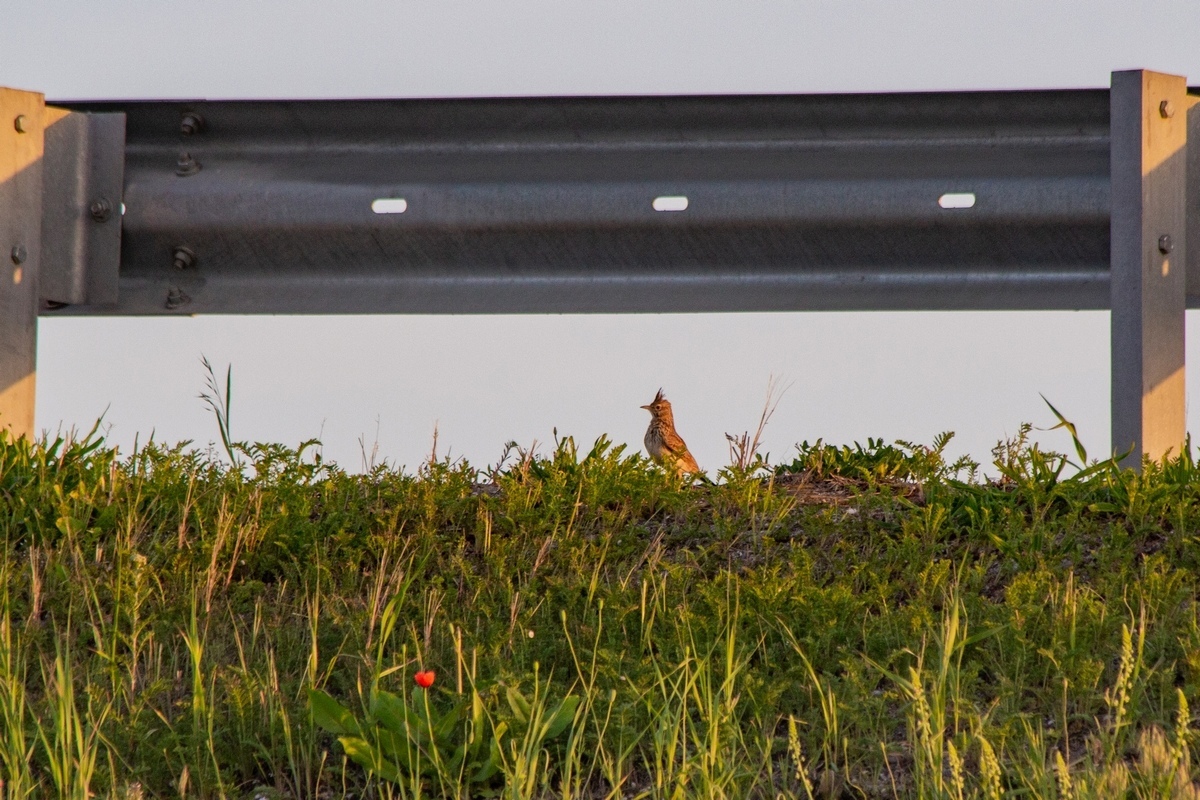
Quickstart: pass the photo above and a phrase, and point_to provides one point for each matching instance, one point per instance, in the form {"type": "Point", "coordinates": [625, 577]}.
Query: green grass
{"type": "Point", "coordinates": [859, 622]}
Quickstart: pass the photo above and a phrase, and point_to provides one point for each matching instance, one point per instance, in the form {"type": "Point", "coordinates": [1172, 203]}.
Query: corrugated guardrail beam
{"type": "Point", "coordinates": [549, 205]}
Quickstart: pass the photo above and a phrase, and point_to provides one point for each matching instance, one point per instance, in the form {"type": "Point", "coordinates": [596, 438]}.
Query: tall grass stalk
{"type": "Point", "coordinates": [71, 738]}
{"type": "Point", "coordinates": [16, 750]}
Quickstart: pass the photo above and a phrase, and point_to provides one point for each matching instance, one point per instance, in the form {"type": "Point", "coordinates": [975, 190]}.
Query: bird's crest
{"type": "Point", "coordinates": [659, 406]}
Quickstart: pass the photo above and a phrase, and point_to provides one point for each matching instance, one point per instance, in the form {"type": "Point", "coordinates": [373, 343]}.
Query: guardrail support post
{"type": "Point", "coordinates": [21, 142]}
{"type": "Point", "coordinates": [1148, 116]}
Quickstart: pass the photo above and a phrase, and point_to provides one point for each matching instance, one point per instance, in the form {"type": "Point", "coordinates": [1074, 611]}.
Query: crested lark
{"type": "Point", "coordinates": [663, 443]}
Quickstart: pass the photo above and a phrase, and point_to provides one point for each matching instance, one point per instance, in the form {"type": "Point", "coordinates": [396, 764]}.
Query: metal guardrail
{"type": "Point", "coordinates": [967, 200]}
{"type": "Point", "coordinates": [548, 205]}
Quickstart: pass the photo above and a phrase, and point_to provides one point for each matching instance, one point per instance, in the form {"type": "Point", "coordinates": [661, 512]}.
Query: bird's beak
{"type": "Point", "coordinates": [646, 407]}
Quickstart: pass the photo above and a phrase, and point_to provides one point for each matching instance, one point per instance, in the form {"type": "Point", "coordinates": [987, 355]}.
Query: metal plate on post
{"type": "Point", "coordinates": [83, 175]}
{"type": "Point", "coordinates": [1149, 169]}
{"type": "Point", "coordinates": [21, 127]}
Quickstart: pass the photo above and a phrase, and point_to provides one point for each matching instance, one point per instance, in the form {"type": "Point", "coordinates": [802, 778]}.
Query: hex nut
{"type": "Point", "coordinates": [1166, 109]}
{"type": "Point", "coordinates": [185, 165]}
{"type": "Point", "coordinates": [1165, 244]}
{"type": "Point", "coordinates": [21, 124]}
{"type": "Point", "coordinates": [191, 123]}
{"type": "Point", "coordinates": [18, 254]}
{"type": "Point", "coordinates": [184, 257]}
{"type": "Point", "coordinates": [101, 209]}
{"type": "Point", "coordinates": [176, 297]}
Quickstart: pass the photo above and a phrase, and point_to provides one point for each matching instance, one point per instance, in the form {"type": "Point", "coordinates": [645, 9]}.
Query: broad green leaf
{"type": "Point", "coordinates": [456, 762]}
{"type": "Point", "coordinates": [332, 715]}
{"type": "Point", "coordinates": [494, 756]}
{"type": "Point", "coordinates": [562, 717]}
{"type": "Point", "coordinates": [519, 704]}
{"type": "Point", "coordinates": [489, 768]}
{"type": "Point", "coordinates": [364, 755]}
{"type": "Point", "coordinates": [446, 724]}
{"type": "Point", "coordinates": [392, 713]}
{"type": "Point", "coordinates": [476, 715]}
{"type": "Point", "coordinates": [70, 526]}
{"type": "Point", "coordinates": [399, 748]}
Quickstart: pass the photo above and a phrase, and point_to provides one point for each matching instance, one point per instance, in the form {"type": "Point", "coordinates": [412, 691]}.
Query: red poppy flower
{"type": "Point", "coordinates": [424, 678]}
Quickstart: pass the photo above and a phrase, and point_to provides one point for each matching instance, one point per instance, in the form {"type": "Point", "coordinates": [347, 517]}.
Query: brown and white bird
{"type": "Point", "coordinates": [663, 442]}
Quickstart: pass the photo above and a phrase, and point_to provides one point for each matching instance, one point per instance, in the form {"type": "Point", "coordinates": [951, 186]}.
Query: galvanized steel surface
{"type": "Point", "coordinates": [83, 165]}
{"type": "Point", "coordinates": [549, 205]}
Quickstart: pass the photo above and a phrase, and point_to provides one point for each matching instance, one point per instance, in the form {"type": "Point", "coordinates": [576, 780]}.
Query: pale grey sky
{"type": "Point", "coordinates": [486, 380]}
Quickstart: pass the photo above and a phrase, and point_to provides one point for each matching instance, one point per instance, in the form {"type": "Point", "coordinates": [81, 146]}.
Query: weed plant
{"type": "Point", "coordinates": [174, 626]}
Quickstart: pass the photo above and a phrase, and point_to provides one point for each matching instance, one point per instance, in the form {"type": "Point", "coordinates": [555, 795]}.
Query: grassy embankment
{"type": "Point", "coordinates": [858, 622]}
